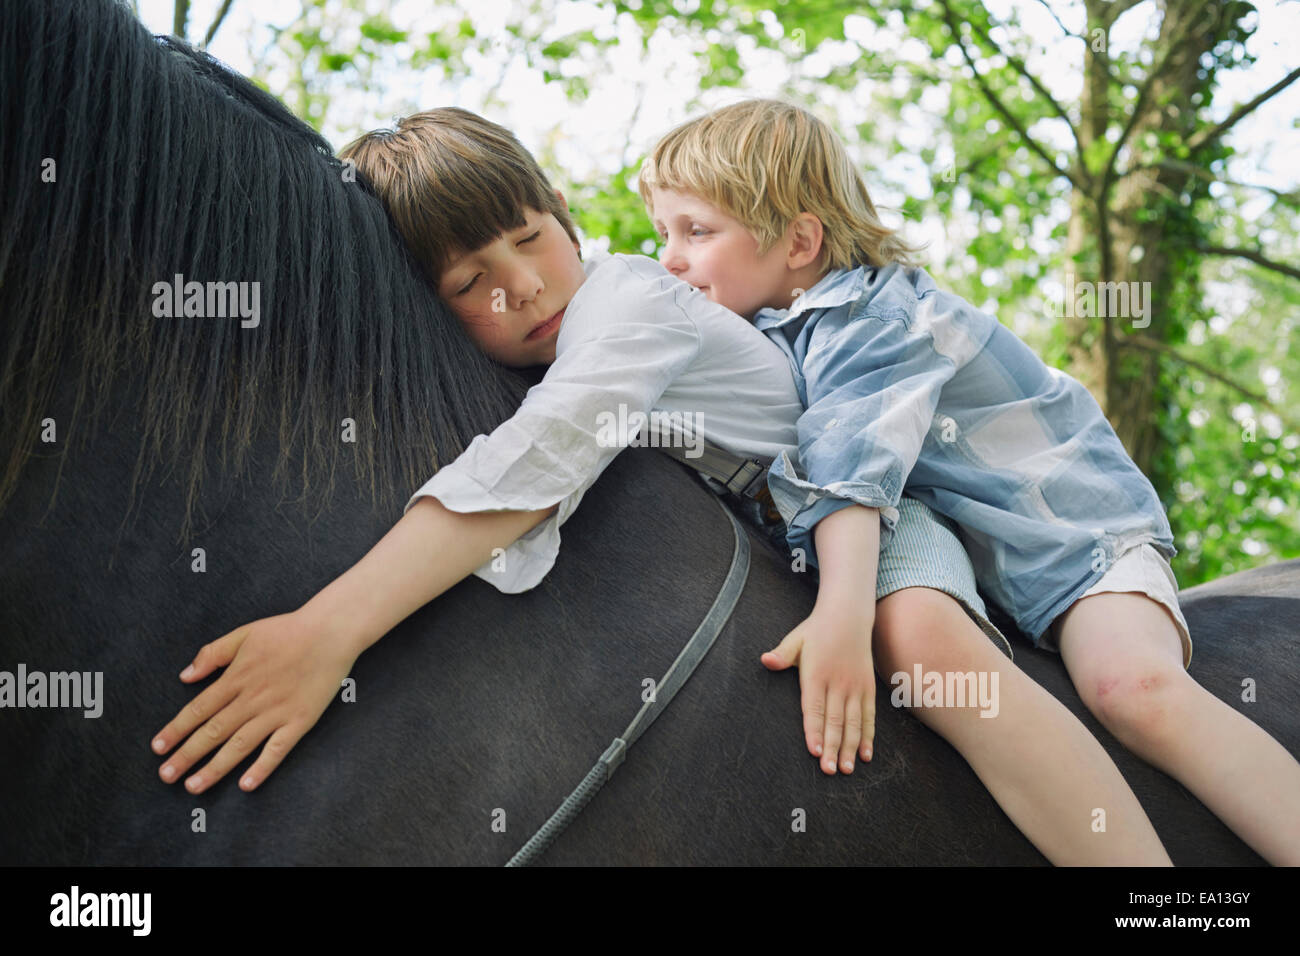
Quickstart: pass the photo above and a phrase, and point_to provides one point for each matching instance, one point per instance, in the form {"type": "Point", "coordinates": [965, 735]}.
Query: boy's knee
{"type": "Point", "coordinates": [919, 626]}
{"type": "Point", "coordinates": [1141, 706]}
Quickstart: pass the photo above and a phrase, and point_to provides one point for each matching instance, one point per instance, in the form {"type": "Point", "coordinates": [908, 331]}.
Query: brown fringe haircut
{"type": "Point", "coordinates": [453, 182]}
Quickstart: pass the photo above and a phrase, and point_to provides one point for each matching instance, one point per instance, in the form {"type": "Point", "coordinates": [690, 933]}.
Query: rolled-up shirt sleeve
{"type": "Point", "coordinates": [623, 340]}
{"type": "Point", "coordinates": [873, 380]}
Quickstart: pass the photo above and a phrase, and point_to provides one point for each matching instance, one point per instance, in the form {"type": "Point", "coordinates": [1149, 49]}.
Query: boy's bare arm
{"type": "Point", "coordinates": [848, 555]}
{"type": "Point", "coordinates": [427, 552]}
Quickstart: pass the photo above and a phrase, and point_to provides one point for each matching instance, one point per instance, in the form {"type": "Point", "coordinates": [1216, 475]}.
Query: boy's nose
{"type": "Point", "coordinates": [673, 261]}
{"type": "Point", "coordinates": [524, 287]}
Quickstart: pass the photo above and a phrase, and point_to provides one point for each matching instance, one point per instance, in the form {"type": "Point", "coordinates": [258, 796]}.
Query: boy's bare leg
{"type": "Point", "coordinates": [1039, 762]}
{"type": "Point", "coordinates": [1125, 657]}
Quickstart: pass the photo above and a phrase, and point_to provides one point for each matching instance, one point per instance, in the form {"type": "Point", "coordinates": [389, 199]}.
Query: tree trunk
{"type": "Point", "coordinates": [1140, 252]}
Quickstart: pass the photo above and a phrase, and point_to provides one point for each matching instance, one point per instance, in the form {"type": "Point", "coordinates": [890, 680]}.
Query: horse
{"type": "Point", "coordinates": [147, 507]}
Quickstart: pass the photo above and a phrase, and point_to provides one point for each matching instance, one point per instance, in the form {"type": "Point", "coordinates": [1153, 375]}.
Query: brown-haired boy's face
{"type": "Point", "coordinates": [511, 294]}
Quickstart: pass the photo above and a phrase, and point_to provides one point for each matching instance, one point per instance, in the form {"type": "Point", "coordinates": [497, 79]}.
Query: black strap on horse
{"type": "Point", "coordinates": [746, 477]}
{"type": "Point", "coordinates": [677, 674]}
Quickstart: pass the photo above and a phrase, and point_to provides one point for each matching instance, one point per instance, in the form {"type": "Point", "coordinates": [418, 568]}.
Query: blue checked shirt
{"type": "Point", "coordinates": [906, 386]}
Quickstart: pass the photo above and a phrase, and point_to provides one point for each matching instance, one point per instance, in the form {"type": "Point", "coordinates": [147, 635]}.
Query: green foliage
{"type": "Point", "coordinates": [380, 30]}
{"type": "Point", "coordinates": [724, 67]}
{"type": "Point", "coordinates": [614, 209]}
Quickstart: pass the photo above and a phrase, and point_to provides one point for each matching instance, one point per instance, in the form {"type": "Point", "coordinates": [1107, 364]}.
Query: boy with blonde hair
{"type": "Point", "coordinates": [909, 387]}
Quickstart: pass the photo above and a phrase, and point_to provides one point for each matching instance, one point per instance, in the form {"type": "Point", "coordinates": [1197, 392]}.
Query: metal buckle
{"type": "Point", "coordinates": [755, 481]}
{"type": "Point", "coordinates": [613, 755]}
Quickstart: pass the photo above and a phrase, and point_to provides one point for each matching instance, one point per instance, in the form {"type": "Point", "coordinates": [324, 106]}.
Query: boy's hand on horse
{"type": "Point", "coordinates": [832, 646]}
{"type": "Point", "coordinates": [283, 671]}
{"type": "Point", "coordinates": [281, 674]}
{"type": "Point", "coordinates": [832, 649]}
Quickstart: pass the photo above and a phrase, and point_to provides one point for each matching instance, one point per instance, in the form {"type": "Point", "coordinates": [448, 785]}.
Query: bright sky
{"type": "Point", "coordinates": [596, 136]}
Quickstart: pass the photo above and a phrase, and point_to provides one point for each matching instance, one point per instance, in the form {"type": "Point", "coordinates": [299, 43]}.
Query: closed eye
{"type": "Point", "coordinates": [475, 279]}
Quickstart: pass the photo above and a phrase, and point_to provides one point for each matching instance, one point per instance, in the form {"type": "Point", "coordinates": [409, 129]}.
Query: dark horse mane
{"type": "Point", "coordinates": [350, 329]}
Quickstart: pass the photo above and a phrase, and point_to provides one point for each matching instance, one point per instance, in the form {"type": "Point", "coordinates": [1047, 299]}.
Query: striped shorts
{"type": "Point", "coordinates": [925, 552]}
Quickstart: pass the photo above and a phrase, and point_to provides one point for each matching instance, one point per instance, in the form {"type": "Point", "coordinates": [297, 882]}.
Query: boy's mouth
{"type": "Point", "coordinates": [547, 328]}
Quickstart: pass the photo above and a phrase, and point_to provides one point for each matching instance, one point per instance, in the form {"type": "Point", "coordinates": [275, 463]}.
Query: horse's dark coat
{"type": "Point", "coordinates": [481, 701]}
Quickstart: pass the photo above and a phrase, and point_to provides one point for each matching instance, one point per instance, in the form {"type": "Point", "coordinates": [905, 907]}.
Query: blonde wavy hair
{"type": "Point", "coordinates": [764, 161]}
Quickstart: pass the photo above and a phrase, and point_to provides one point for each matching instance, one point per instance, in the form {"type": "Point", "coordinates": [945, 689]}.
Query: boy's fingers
{"type": "Point", "coordinates": [215, 730]}
{"type": "Point", "coordinates": [209, 702]}
{"type": "Point", "coordinates": [814, 715]}
{"type": "Point", "coordinates": [215, 654]}
{"type": "Point", "coordinates": [276, 749]}
{"type": "Point", "coordinates": [785, 654]}
{"type": "Point", "coordinates": [240, 745]}
{"type": "Point", "coordinates": [852, 732]}
{"type": "Point", "coordinates": [834, 730]}
{"type": "Point", "coordinates": [868, 722]}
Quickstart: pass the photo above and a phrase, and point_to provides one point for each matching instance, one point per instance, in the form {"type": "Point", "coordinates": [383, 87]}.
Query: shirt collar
{"type": "Point", "coordinates": [833, 289]}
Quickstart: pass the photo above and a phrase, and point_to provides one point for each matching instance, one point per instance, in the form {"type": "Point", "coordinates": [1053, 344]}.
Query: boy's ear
{"type": "Point", "coordinates": [562, 199]}
{"type": "Point", "coordinates": [806, 240]}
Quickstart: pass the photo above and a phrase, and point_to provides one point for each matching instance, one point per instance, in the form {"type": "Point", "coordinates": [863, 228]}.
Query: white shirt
{"type": "Point", "coordinates": [633, 336]}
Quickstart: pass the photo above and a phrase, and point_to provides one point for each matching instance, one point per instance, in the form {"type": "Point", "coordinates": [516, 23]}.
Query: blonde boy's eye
{"type": "Point", "coordinates": [531, 238]}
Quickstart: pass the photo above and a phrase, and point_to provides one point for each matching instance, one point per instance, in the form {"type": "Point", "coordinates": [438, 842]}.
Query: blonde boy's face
{"type": "Point", "coordinates": [511, 294]}
{"type": "Point", "coordinates": [710, 250]}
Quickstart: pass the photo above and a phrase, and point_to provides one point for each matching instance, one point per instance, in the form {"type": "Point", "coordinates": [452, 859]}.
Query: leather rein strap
{"type": "Point", "coordinates": [677, 674]}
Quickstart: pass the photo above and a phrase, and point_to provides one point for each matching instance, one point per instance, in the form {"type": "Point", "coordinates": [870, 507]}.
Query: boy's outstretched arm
{"type": "Point", "coordinates": [283, 671]}
{"type": "Point", "coordinates": [428, 551]}
{"type": "Point", "coordinates": [832, 646]}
